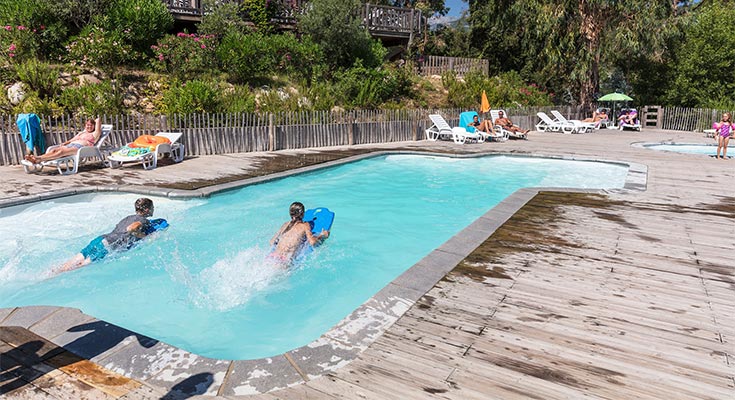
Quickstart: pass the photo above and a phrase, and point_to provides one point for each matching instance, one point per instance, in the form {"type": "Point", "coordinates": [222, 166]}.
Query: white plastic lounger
{"type": "Point", "coordinates": [579, 126]}
{"type": "Point", "coordinates": [150, 160]}
{"type": "Point", "coordinates": [549, 125]}
{"type": "Point", "coordinates": [441, 130]}
{"type": "Point", "coordinates": [70, 164]}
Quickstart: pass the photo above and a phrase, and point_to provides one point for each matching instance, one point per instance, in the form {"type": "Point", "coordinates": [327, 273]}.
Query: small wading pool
{"type": "Point", "coordinates": [204, 285]}
{"type": "Point", "coordinates": [706, 149]}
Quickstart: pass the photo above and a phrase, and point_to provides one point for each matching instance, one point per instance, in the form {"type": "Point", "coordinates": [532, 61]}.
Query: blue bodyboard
{"type": "Point", "coordinates": [156, 225]}
{"type": "Point", "coordinates": [319, 219]}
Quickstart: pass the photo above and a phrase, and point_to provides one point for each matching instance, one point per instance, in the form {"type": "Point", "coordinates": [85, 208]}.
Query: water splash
{"type": "Point", "coordinates": [232, 281]}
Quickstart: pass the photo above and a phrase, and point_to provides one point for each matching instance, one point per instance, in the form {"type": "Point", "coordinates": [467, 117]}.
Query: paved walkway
{"type": "Point", "coordinates": [629, 295]}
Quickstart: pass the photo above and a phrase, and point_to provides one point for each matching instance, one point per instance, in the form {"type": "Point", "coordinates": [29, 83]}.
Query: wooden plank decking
{"type": "Point", "coordinates": [622, 296]}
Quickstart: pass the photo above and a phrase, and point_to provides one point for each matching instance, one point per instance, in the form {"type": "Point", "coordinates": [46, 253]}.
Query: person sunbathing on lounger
{"type": "Point", "coordinates": [87, 137]}
{"type": "Point", "coordinates": [597, 116]}
{"type": "Point", "coordinates": [126, 233]}
{"type": "Point", "coordinates": [293, 234]}
{"type": "Point", "coordinates": [482, 126]}
{"type": "Point", "coordinates": [507, 124]}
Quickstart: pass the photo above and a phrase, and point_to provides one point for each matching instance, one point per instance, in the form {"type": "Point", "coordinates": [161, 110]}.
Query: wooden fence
{"type": "Point", "coordinates": [205, 134]}
{"type": "Point", "coordinates": [436, 65]}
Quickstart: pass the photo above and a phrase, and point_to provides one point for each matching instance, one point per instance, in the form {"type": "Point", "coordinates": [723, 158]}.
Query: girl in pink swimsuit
{"type": "Point", "coordinates": [87, 137]}
{"type": "Point", "coordinates": [723, 131]}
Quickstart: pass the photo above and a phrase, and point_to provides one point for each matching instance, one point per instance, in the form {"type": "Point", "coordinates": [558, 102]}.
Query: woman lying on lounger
{"type": "Point", "coordinates": [87, 137]}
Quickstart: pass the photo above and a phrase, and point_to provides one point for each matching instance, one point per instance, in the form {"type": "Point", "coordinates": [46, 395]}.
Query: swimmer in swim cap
{"type": "Point", "coordinates": [293, 234]}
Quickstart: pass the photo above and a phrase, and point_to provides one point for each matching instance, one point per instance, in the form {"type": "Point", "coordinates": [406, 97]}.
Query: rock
{"type": "Point", "coordinates": [87, 79]}
{"type": "Point", "coordinates": [16, 93]}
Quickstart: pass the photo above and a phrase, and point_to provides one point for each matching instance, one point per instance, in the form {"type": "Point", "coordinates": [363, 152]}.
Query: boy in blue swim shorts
{"type": "Point", "coordinates": [127, 232]}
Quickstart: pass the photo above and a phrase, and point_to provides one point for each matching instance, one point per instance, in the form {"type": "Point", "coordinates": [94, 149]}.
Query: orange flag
{"type": "Point", "coordinates": [484, 104]}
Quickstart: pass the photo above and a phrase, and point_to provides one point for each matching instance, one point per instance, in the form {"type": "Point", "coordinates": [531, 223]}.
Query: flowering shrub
{"type": "Point", "coordinates": [18, 43]}
{"type": "Point", "coordinates": [97, 47]}
{"type": "Point", "coordinates": [184, 55]}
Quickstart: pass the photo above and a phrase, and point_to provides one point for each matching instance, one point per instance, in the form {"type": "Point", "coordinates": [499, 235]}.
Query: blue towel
{"type": "Point", "coordinates": [29, 126]}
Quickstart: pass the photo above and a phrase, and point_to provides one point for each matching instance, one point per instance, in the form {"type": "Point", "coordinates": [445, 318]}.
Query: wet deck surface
{"type": "Point", "coordinates": [629, 295]}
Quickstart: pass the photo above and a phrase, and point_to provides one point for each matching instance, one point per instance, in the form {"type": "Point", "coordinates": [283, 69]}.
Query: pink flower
{"type": "Point", "coordinates": [181, 34]}
{"type": "Point", "coordinates": [160, 57]}
{"type": "Point", "coordinates": [43, 27]}
{"type": "Point", "coordinates": [21, 27]}
{"type": "Point", "coordinates": [12, 47]}
{"type": "Point", "coordinates": [203, 46]}
{"type": "Point", "coordinates": [8, 28]}
{"type": "Point", "coordinates": [11, 54]}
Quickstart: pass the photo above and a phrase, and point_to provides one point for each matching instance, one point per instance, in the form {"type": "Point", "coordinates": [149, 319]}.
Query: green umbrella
{"type": "Point", "coordinates": [615, 97]}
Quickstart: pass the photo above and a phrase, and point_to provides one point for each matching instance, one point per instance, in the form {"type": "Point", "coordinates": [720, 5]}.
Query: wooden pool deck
{"type": "Point", "coordinates": [624, 295]}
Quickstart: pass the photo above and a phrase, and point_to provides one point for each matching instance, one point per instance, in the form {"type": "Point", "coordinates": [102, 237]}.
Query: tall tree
{"type": "Point", "coordinates": [704, 67]}
{"type": "Point", "coordinates": [566, 43]}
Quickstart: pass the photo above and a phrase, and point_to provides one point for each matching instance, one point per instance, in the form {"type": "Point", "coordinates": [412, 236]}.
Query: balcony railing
{"type": "Point", "coordinates": [381, 21]}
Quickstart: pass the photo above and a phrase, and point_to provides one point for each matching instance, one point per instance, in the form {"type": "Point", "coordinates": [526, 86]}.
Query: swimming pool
{"type": "Point", "coordinates": [208, 271]}
{"type": "Point", "coordinates": [708, 149]}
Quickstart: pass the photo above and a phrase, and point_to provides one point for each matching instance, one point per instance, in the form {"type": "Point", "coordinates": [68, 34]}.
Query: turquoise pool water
{"type": "Point", "coordinates": [708, 149]}
{"type": "Point", "coordinates": [203, 284]}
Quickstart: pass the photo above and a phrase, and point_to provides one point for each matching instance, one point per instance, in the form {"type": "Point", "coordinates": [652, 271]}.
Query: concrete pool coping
{"type": "Point", "coordinates": [162, 365]}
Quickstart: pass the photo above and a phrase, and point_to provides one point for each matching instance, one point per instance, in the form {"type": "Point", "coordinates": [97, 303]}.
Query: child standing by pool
{"type": "Point", "coordinates": [723, 130]}
{"type": "Point", "coordinates": [126, 233]}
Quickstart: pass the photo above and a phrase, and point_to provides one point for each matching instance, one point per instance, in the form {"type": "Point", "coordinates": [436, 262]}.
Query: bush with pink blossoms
{"type": "Point", "coordinates": [99, 48]}
{"type": "Point", "coordinates": [18, 43]}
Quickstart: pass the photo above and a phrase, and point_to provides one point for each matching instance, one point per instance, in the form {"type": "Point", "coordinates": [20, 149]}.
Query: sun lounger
{"type": "Point", "coordinates": [441, 130]}
{"type": "Point", "coordinates": [70, 164]}
{"type": "Point", "coordinates": [579, 126]}
{"type": "Point", "coordinates": [149, 158]}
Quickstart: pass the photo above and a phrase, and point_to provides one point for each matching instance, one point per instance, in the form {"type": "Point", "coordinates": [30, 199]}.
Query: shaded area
{"type": "Point", "coordinates": [30, 364]}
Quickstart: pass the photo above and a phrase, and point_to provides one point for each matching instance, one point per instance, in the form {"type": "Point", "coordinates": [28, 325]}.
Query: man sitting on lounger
{"type": "Point", "coordinates": [87, 137]}
{"type": "Point", "coordinates": [482, 126]}
{"type": "Point", "coordinates": [126, 233]}
{"type": "Point", "coordinates": [507, 124]}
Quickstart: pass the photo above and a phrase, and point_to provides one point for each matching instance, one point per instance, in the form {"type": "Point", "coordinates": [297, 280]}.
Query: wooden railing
{"type": "Point", "coordinates": [184, 7]}
{"type": "Point", "coordinates": [381, 21]}
{"type": "Point", "coordinates": [392, 21]}
{"type": "Point", "coordinates": [436, 65]}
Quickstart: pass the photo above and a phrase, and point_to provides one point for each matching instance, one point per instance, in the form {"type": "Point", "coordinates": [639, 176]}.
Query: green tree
{"type": "Point", "coordinates": [221, 18]}
{"type": "Point", "coordinates": [336, 28]}
{"type": "Point", "coordinates": [567, 45]}
{"type": "Point", "coordinates": [704, 72]}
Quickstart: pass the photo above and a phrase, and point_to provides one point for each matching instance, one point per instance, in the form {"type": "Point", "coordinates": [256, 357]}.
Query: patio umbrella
{"type": "Point", "coordinates": [484, 104]}
{"type": "Point", "coordinates": [614, 98]}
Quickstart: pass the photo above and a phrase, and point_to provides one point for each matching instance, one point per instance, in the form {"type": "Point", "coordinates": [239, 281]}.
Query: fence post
{"type": "Point", "coordinates": [660, 117]}
{"type": "Point", "coordinates": [351, 131]}
{"type": "Point", "coordinates": [271, 133]}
